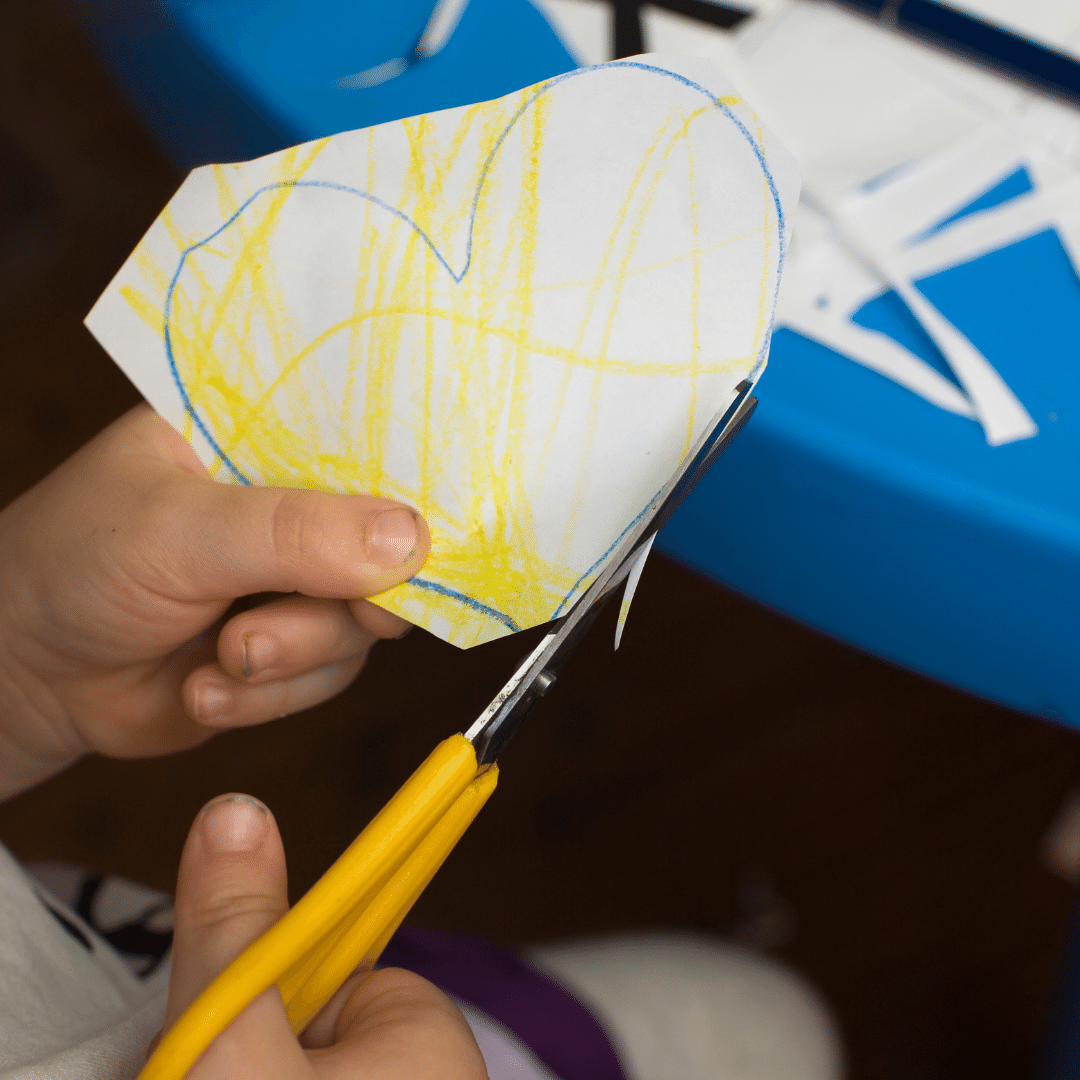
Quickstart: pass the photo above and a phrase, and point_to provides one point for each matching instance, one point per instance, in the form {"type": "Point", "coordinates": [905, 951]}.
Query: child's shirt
{"type": "Point", "coordinates": [70, 1008]}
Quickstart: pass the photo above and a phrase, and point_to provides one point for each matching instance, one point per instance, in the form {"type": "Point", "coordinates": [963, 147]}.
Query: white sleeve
{"type": "Point", "coordinates": [70, 1009]}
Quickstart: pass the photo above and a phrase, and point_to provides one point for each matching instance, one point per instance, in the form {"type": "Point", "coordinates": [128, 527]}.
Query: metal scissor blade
{"type": "Point", "coordinates": [498, 723]}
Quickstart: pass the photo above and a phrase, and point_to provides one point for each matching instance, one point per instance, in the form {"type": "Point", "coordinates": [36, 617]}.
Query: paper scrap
{"type": "Point", "coordinates": [585, 27]}
{"type": "Point", "coordinates": [514, 316]}
{"type": "Point", "coordinates": [895, 140]}
{"type": "Point", "coordinates": [630, 588]}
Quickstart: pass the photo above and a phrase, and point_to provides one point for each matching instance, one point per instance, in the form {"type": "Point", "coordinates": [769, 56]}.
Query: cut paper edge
{"type": "Point", "coordinates": [631, 587]}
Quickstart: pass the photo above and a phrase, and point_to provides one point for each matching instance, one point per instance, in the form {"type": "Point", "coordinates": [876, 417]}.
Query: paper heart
{"type": "Point", "coordinates": [515, 316]}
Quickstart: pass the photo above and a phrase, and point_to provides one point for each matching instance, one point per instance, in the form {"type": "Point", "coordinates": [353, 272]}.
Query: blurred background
{"type": "Point", "coordinates": [904, 845]}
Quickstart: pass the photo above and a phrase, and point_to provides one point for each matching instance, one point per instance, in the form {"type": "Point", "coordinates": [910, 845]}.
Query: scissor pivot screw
{"type": "Point", "coordinates": [543, 682]}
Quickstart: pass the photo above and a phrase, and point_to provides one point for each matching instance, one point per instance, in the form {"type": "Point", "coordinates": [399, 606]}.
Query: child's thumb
{"type": "Point", "coordinates": [231, 888]}
{"type": "Point", "coordinates": [233, 541]}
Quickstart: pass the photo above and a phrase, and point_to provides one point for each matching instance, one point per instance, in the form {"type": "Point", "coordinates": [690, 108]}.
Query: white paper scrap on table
{"type": "Point", "coordinates": [515, 316]}
{"type": "Point", "coordinates": [895, 138]}
{"type": "Point", "coordinates": [585, 27]}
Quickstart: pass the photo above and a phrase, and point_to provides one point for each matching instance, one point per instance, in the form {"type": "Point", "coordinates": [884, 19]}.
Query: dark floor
{"type": "Point", "coordinates": [726, 770]}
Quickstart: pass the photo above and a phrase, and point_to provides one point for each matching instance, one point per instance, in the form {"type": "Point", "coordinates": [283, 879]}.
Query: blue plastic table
{"type": "Point", "coordinates": [848, 503]}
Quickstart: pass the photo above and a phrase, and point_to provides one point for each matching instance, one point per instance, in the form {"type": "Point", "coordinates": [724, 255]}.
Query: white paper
{"type": "Point", "coordinates": [585, 27]}
{"type": "Point", "coordinates": [514, 316]}
{"type": "Point", "coordinates": [894, 138]}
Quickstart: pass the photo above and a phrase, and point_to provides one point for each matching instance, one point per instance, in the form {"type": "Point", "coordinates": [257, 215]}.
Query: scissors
{"type": "Point", "coordinates": [349, 915]}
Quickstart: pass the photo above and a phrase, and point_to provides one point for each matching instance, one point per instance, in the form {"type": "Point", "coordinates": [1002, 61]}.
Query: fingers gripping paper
{"type": "Point", "coordinates": [514, 316]}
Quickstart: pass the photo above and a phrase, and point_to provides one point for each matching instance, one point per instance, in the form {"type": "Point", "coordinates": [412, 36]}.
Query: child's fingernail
{"type": "Point", "coordinates": [392, 537]}
{"type": "Point", "coordinates": [234, 823]}
{"type": "Point", "coordinates": [260, 652]}
{"type": "Point", "coordinates": [211, 702]}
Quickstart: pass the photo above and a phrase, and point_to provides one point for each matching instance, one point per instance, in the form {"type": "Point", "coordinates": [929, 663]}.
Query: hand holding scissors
{"type": "Point", "coordinates": [346, 919]}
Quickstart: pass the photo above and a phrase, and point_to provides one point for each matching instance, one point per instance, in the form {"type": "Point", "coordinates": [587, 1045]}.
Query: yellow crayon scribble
{"type": "Point", "coordinates": [440, 323]}
{"type": "Point", "coordinates": [144, 306]}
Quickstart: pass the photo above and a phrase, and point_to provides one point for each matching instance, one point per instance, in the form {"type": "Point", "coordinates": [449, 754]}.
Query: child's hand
{"type": "Point", "coordinates": [389, 1023]}
{"type": "Point", "coordinates": [116, 569]}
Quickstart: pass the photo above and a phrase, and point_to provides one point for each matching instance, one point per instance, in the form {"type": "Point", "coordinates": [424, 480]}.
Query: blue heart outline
{"type": "Point", "coordinates": [433, 586]}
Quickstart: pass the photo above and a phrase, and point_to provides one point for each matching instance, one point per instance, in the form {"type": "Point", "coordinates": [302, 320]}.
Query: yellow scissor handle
{"type": "Point", "coordinates": [370, 928]}
{"type": "Point", "coordinates": [348, 915]}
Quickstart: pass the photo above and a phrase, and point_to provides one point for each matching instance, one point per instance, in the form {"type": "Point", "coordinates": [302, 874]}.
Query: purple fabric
{"type": "Point", "coordinates": [555, 1026]}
